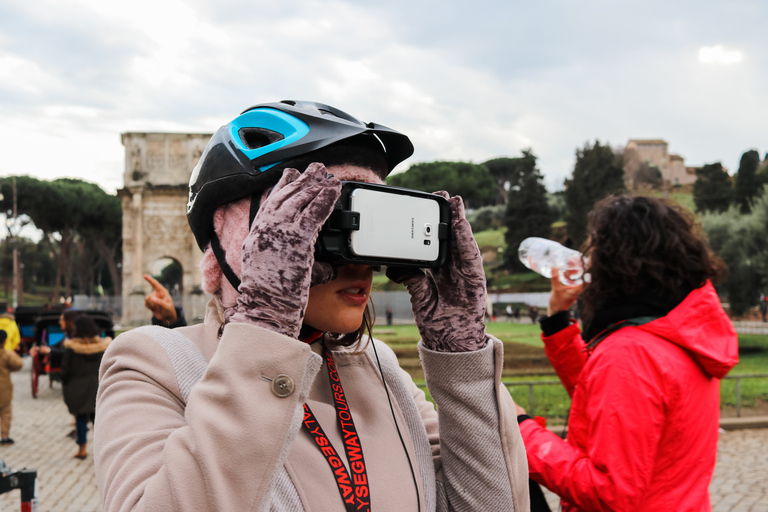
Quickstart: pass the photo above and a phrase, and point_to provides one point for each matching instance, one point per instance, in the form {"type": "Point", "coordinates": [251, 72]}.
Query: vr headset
{"type": "Point", "coordinates": [382, 225]}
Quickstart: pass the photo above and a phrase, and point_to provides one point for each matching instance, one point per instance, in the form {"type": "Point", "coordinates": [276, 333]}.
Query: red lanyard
{"type": "Point", "coordinates": [355, 491]}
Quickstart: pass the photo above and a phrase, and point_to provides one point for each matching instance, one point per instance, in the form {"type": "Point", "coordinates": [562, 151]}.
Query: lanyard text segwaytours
{"type": "Point", "coordinates": [355, 491]}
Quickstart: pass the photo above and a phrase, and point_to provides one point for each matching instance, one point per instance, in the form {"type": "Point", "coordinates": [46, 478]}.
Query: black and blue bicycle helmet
{"type": "Point", "coordinates": [246, 156]}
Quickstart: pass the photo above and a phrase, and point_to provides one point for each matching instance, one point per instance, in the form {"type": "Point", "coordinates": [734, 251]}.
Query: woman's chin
{"type": "Point", "coordinates": [336, 326]}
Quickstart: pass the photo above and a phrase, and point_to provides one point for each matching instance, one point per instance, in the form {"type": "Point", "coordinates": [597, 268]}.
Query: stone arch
{"type": "Point", "coordinates": [157, 171]}
{"type": "Point", "coordinates": [169, 272]}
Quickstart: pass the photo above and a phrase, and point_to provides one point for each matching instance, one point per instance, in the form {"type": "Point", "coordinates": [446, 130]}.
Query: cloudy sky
{"type": "Point", "coordinates": [465, 80]}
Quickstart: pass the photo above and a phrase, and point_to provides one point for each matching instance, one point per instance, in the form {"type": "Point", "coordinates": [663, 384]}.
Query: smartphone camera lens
{"type": "Point", "coordinates": [428, 229]}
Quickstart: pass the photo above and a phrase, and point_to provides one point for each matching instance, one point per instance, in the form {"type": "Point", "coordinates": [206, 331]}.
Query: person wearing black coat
{"type": "Point", "coordinates": [80, 375]}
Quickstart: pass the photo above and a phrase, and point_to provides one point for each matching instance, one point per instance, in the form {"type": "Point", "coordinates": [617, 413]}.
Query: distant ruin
{"type": "Point", "coordinates": [154, 196]}
{"type": "Point", "coordinates": [654, 152]}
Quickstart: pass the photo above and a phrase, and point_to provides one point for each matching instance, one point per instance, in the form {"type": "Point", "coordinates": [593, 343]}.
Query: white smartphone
{"type": "Point", "coordinates": [383, 225]}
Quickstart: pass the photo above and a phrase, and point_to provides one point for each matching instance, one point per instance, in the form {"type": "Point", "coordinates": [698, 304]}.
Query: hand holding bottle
{"type": "Point", "coordinates": [562, 296]}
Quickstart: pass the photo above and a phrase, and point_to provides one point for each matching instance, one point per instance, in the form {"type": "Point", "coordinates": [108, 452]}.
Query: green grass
{"type": "Point", "coordinates": [491, 238]}
{"type": "Point", "coordinates": [527, 333]}
{"type": "Point", "coordinates": [684, 199]}
{"type": "Point", "coordinates": [41, 297]}
{"type": "Point", "coordinates": [409, 335]}
{"type": "Point", "coordinates": [753, 358]}
{"type": "Point", "coordinates": [552, 402]}
{"type": "Point", "coordinates": [527, 282]}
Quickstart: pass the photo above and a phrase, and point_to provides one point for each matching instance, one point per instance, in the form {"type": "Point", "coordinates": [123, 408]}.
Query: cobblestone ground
{"type": "Point", "coordinates": [66, 484]}
{"type": "Point", "coordinates": [40, 428]}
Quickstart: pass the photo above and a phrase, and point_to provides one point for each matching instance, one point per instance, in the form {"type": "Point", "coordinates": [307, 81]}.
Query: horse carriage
{"type": "Point", "coordinates": [47, 351]}
{"type": "Point", "coordinates": [25, 320]}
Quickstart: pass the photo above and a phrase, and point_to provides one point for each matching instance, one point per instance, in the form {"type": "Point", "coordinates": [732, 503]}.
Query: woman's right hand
{"type": "Point", "coordinates": [562, 297]}
{"type": "Point", "coordinates": [278, 253]}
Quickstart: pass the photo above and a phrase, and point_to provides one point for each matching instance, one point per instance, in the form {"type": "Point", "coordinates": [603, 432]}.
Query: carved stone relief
{"type": "Point", "coordinates": [157, 171]}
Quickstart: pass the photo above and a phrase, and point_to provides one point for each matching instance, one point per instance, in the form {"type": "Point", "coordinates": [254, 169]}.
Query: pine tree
{"type": "Point", "coordinates": [746, 187]}
{"type": "Point", "coordinates": [598, 173]}
{"type": "Point", "coordinates": [528, 213]}
{"type": "Point", "coordinates": [712, 190]}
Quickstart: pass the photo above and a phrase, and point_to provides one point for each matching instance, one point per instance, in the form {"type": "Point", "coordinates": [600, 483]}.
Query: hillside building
{"type": "Point", "coordinates": [655, 153]}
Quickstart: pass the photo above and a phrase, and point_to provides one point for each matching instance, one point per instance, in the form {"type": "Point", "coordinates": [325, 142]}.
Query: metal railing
{"type": "Point", "coordinates": [738, 378]}
{"type": "Point", "coordinates": [510, 383]}
{"type": "Point", "coordinates": [530, 383]}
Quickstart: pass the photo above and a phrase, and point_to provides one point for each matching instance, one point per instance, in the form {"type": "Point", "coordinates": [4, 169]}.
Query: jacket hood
{"type": "Point", "coordinates": [82, 346]}
{"type": "Point", "coordinates": [699, 325]}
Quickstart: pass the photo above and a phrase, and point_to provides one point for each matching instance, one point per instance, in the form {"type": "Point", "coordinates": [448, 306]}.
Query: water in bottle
{"type": "Point", "coordinates": [540, 255]}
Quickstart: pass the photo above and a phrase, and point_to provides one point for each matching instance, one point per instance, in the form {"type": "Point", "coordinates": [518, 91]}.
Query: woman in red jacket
{"type": "Point", "coordinates": [644, 376]}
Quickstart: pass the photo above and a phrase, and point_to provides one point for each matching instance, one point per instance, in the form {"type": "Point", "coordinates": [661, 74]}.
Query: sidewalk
{"type": "Point", "coordinates": [39, 428]}
{"type": "Point", "coordinates": [66, 484]}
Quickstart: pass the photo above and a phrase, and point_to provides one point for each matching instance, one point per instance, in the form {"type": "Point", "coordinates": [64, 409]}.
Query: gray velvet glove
{"type": "Point", "coordinates": [278, 253]}
{"type": "Point", "coordinates": [449, 303]}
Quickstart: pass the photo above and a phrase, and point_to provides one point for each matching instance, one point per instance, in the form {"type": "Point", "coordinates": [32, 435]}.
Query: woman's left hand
{"type": "Point", "coordinates": [449, 302]}
{"type": "Point", "coordinates": [278, 254]}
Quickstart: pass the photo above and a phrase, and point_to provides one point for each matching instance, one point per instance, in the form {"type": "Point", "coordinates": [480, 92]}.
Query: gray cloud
{"type": "Point", "coordinates": [465, 81]}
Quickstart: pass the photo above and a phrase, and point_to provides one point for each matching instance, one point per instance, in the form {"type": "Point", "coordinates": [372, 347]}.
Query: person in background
{"type": "Point", "coordinates": [8, 324]}
{"type": "Point", "coordinates": [160, 303]}
{"type": "Point", "coordinates": [533, 313]}
{"type": "Point", "coordinates": [80, 375]}
{"type": "Point", "coordinates": [763, 304]}
{"type": "Point", "coordinates": [9, 362]}
{"type": "Point", "coordinates": [644, 374]}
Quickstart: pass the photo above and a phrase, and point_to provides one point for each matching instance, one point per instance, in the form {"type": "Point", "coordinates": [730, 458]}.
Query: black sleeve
{"type": "Point", "coordinates": [180, 320]}
{"type": "Point", "coordinates": [555, 323]}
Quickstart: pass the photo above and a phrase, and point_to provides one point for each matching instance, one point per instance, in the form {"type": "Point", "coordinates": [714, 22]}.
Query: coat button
{"type": "Point", "coordinates": [282, 386]}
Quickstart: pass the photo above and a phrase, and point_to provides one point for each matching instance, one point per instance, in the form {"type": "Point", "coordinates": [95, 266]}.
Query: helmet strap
{"type": "Point", "coordinates": [218, 251]}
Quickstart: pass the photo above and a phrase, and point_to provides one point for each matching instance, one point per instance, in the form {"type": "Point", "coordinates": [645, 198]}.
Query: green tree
{"type": "Point", "coordinates": [712, 190]}
{"type": "Point", "coordinates": [746, 188]}
{"type": "Point", "coordinates": [762, 172]}
{"type": "Point", "coordinates": [528, 212]}
{"type": "Point", "coordinates": [648, 175]}
{"type": "Point", "coordinates": [503, 171]}
{"type": "Point", "coordinates": [37, 269]}
{"type": "Point", "coordinates": [102, 229]}
{"type": "Point", "coordinates": [742, 242]}
{"type": "Point", "coordinates": [597, 174]}
{"type": "Point", "coordinates": [487, 217]}
{"type": "Point", "coordinates": [63, 209]}
{"type": "Point", "coordinates": [473, 182]}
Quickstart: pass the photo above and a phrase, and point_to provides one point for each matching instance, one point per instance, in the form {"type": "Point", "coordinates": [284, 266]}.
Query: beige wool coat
{"type": "Point", "coordinates": [9, 362]}
{"type": "Point", "coordinates": [234, 440]}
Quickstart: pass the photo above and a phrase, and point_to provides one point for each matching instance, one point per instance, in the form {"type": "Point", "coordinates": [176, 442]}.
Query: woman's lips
{"type": "Point", "coordinates": [354, 295]}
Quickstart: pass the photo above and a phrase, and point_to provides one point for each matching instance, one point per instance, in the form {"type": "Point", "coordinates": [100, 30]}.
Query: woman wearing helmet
{"type": "Point", "coordinates": [278, 401]}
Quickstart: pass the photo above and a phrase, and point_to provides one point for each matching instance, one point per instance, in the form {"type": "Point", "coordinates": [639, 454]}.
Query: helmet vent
{"type": "Point", "coordinates": [255, 138]}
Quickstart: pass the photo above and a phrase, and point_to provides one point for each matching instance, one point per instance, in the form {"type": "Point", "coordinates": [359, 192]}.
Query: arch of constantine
{"type": "Point", "coordinates": [154, 197]}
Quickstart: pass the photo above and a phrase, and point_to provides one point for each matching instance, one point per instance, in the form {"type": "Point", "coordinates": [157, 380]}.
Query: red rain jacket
{"type": "Point", "coordinates": [643, 426]}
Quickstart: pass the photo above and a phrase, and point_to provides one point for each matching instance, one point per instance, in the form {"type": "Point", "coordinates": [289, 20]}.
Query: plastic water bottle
{"type": "Point", "coordinates": [540, 255]}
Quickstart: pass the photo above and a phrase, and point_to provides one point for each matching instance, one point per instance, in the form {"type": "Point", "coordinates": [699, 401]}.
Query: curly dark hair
{"type": "Point", "coordinates": [641, 244]}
